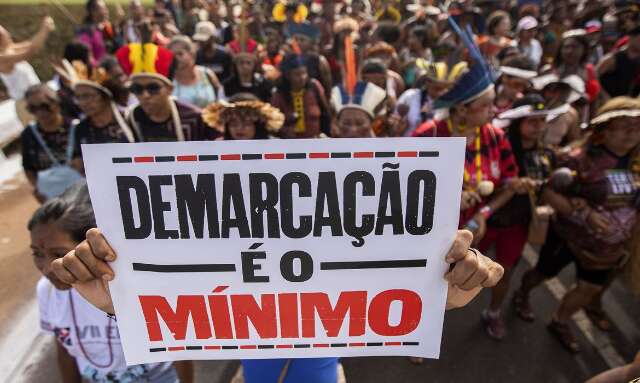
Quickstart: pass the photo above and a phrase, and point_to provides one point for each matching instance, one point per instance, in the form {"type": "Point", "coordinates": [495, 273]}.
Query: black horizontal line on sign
{"type": "Point", "coordinates": [194, 347]}
{"type": "Point", "coordinates": [194, 268]}
{"type": "Point", "coordinates": [158, 349]}
{"type": "Point", "coordinates": [429, 154]}
{"type": "Point", "coordinates": [208, 157]}
{"type": "Point", "coordinates": [394, 264]}
{"type": "Point", "coordinates": [122, 160]}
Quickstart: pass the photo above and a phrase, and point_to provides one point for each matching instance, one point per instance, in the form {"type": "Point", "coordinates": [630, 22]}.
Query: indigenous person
{"type": "Point", "coordinates": [470, 271]}
{"type": "Point", "coordinates": [596, 211]}
{"type": "Point", "coordinates": [244, 117]}
{"type": "Point", "coordinates": [16, 73]}
{"type": "Point", "coordinates": [82, 356]}
{"type": "Point", "coordinates": [47, 143]}
{"type": "Point", "coordinates": [246, 78]}
{"type": "Point", "coordinates": [527, 42]}
{"type": "Point", "coordinates": [496, 39]}
{"type": "Point", "coordinates": [618, 71]}
{"type": "Point", "coordinates": [192, 84]}
{"type": "Point", "coordinates": [158, 117]}
{"type": "Point", "coordinates": [415, 105]}
{"type": "Point", "coordinates": [515, 79]}
{"type": "Point", "coordinates": [572, 58]}
{"type": "Point", "coordinates": [104, 122]}
{"type": "Point", "coordinates": [508, 228]}
{"type": "Point", "coordinates": [97, 32]}
{"type": "Point", "coordinates": [306, 38]}
{"type": "Point", "coordinates": [302, 100]}
{"type": "Point", "coordinates": [211, 54]}
{"type": "Point", "coordinates": [561, 94]}
{"type": "Point", "coordinates": [489, 161]}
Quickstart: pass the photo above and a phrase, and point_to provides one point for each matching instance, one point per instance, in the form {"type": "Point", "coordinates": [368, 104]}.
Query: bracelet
{"type": "Point", "coordinates": [486, 211]}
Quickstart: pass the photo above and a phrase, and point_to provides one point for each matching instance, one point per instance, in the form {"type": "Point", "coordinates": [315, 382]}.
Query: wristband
{"type": "Point", "coordinates": [486, 211]}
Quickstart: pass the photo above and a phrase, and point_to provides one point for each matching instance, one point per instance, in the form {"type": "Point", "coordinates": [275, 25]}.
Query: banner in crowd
{"type": "Point", "coordinates": [278, 248]}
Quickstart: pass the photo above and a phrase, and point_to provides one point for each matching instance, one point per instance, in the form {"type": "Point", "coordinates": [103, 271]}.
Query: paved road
{"type": "Point", "coordinates": [529, 354]}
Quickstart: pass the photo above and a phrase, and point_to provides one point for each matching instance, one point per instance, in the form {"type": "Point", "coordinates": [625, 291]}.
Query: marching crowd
{"type": "Point", "coordinates": [545, 93]}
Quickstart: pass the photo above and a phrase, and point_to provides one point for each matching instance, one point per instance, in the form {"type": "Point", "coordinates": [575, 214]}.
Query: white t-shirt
{"type": "Point", "coordinates": [92, 339]}
{"type": "Point", "coordinates": [19, 80]}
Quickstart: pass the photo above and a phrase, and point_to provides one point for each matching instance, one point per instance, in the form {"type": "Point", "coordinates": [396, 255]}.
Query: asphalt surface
{"type": "Point", "coordinates": [528, 354]}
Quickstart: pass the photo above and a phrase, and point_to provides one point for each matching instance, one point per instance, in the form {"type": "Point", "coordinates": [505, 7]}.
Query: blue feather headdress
{"type": "Point", "coordinates": [478, 79]}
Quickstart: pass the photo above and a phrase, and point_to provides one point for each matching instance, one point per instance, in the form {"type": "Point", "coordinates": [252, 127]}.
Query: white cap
{"type": "Point", "coordinates": [526, 23]}
{"type": "Point", "coordinates": [204, 31]}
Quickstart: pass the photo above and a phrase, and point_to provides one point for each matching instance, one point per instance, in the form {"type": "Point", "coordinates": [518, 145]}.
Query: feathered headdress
{"type": "Point", "coordinates": [279, 11]}
{"type": "Point", "coordinates": [355, 94]}
{"type": "Point", "coordinates": [475, 82]}
{"type": "Point", "coordinates": [217, 114]}
{"type": "Point", "coordinates": [77, 73]}
{"type": "Point", "coordinates": [145, 60]}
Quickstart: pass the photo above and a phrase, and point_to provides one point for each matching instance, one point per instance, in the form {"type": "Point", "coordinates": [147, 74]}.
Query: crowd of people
{"type": "Point", "coordinates": [545, 93]}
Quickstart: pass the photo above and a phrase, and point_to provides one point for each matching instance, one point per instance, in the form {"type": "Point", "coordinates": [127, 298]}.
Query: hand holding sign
{"type": "Point", "coordinates": [306, 248]}
{"type": "Point", "coordinates": [86, 268]}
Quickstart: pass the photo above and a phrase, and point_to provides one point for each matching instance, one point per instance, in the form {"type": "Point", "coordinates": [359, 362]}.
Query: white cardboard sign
{"type": "Point", "coordinates": [278, 248]}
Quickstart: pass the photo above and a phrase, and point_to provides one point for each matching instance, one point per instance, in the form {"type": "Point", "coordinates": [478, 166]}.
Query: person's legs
{"type": "Point", "coordinates": [554, 256]}
{"type": "Point", "coordinates": [590, 284]}
{"type": "Point", "coordinates": [573, 301]}
{"type": "Point", "coordinates": [509, 242]}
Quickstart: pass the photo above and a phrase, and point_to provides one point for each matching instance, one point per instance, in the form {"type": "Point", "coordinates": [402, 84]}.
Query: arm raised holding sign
{"type": "Point", "coordinates": [87, 269]}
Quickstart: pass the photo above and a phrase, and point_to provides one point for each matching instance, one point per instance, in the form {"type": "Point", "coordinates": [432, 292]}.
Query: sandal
{"type": "Point", "coordinates": [522, 307]}
{"type": "Point", "coordinates": [599, 318]}
{"type": "Point", "coordinates": [563, 333]}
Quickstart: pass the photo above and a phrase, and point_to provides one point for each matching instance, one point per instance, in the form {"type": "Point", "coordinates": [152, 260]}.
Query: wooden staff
{"type": "Point", "coordinates": [64, 11]}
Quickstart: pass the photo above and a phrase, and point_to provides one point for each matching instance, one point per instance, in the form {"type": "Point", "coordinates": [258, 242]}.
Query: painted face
{"type": "Point", "coordinates": [90, 100]}
{"type": "Point", "coordinates": [622, 134]}
{"type": "Point", "coordinates": [240, 128]}
{"type": "Point", "coordinates": [353, 123]}
{"type": "Point", "coordinates": [481, 110]}
{"type": "Point", "coordinates": [48, 243]}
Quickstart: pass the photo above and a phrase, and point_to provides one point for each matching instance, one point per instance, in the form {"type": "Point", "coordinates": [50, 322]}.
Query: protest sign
{"type": "Point", "coordinates": [278, 248]}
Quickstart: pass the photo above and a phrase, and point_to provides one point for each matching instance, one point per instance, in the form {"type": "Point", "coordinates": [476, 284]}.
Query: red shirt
{"type": "Point", "coordinates": [498, 164]}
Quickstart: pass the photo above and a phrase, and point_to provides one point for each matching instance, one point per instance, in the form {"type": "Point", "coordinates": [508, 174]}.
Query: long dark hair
{"type": "Point", "coordinates": [290, 62]}
{"type": "Point", "coordinates": [71, 212]}
{"type": "Point", "coordinates": [557, 60]}
{"type": "Point", "coordinates": [514, 134]}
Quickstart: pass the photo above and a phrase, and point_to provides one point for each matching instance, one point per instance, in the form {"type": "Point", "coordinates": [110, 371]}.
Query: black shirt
{"type": "Point", "coordinates": [260, 87]}
{"type": "Point", "coordinates": [88, 133]}
{"type": "Point", "coordinates": [193, 127]}
{"type": "Point", "coordinates": [221, 62]}
{"type": "Point", "coordinates": [537, 164]}
{"type": "Point", "coordinates": [34, 156]}
{"type": "Point", "coordinates": [623, 80]}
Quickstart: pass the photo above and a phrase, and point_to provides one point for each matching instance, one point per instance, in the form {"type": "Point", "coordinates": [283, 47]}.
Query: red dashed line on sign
{"type": "Point", "coordinates": [281, 346]}
{"type": "Point", "coordinates": [276, 156]}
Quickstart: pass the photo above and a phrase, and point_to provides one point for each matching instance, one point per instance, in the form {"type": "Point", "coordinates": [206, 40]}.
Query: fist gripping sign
{"type": "Point", "coordinates": [278, 248]}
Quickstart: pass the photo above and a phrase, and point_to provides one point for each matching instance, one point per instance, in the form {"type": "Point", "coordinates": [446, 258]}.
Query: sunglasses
{"type": "Point", "coordinates": [35, 108]}
{"type": "Point", "coordinates": [139, 89]}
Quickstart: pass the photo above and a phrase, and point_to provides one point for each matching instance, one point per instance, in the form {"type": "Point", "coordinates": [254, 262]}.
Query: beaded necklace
{"type": "Point", "coordinates": [478, 158]}
{"type": "Point", "coordinates": [298, 108]}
